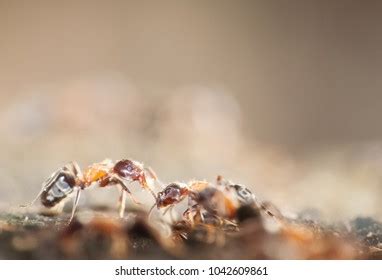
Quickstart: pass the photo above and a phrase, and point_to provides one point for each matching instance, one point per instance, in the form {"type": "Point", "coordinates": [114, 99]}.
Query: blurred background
{"type": "Point", "coordinates": [284, 97]}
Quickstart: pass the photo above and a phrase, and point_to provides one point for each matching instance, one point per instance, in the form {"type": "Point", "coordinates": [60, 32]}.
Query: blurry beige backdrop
{"type": "Point", "coordinates": [284, 96]}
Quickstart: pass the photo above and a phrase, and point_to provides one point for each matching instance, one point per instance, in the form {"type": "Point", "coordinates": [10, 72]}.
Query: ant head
{"type": "Point", "coordinates": [129, 169]}
{"type": "Point", "coordinates": [172, 194]}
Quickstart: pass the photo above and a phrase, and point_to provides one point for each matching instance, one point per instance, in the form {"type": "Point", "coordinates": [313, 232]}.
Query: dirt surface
{"type": "Point", "coordinates": [100, 234]}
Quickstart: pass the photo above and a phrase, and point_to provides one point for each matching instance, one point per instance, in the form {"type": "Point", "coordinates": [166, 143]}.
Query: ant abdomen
{"type": "Point", "coordinates": [58, 189]}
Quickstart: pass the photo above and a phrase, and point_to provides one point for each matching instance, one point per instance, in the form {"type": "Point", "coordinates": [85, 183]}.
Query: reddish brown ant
{"type": "Point", "coordinates": [106, 173]}
{"type": "Point", "coordinates": [209, 203]}
{"type": "Point", "coordinates": [206, 203]}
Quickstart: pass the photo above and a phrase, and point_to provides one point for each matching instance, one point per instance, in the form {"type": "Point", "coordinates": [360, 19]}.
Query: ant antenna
{"type": "Point", "coordinates": [151, 210]}
{"type": "Point", "coordinates": [75, 204]}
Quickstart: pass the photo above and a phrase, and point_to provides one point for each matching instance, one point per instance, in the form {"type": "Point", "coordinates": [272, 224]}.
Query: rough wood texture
{"type": "Point", "coordinates": [101, 235]}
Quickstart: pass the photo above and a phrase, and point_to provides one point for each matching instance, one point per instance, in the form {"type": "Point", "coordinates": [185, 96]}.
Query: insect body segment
{"type": "Point", "coordinates": [64, 181]}
{"type": "Point", "coordinates": [172, 194]}
{"type": "Point", "coordinates": [59, 185]}
{"type": "Point", "coordinates": [57, 191]}
{"type": "Point", "coordinates": [241, 193]}
{"type": "Point", "coordinates": [204, 200]}
{"type": "Point", "coordinates": [97, 172]}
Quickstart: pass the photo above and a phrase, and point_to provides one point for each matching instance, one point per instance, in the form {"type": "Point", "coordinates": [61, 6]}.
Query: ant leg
{"type": "Point", "coordinates": [187, 215]}
{"type": "Point", "coordinates": [271, 210]}
{"type": "Point", "coordinates": [125, 188]}
{"type": "Point", "coordinates": [122, 203]}
{"type": "Point", "coordinates": [75, 204]}
{"type": "Point", "coordinates": [172, 214]}
{"type": "Point", "coordinates": [64, 170]}
{"type": "Point", "coordinates": [52, 178]}
{"type": "Point", "coordinates": [151, 172]}
{"type": "Point", "coordinates": [166, 210]}
{"type": "Point", "coordinates": [76, 168]}
{"type": "Point", "coordinates": [144, 183]}
{"type": "Point", "coordinates": [150, 211]}
{"type": "Point", "coordinates": [153, 175]}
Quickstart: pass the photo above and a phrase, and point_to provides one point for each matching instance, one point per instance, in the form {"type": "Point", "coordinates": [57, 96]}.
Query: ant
{"type": "Point", "coordinates": [209, 203]}
{"type": "Point", "coordinates": [246, 198]}
{"type": "Point", "coordinates": [69, 178]}
{"type": "Point", "coordinates": [206, 203]}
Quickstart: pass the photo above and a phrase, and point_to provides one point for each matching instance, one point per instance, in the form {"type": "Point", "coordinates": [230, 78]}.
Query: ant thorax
{"type": "Point", "coordinates": [96, 172]}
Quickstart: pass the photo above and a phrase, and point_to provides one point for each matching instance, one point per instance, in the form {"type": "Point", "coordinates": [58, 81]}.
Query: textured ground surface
{"type": "Point", "coordinates": [101, 235]}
